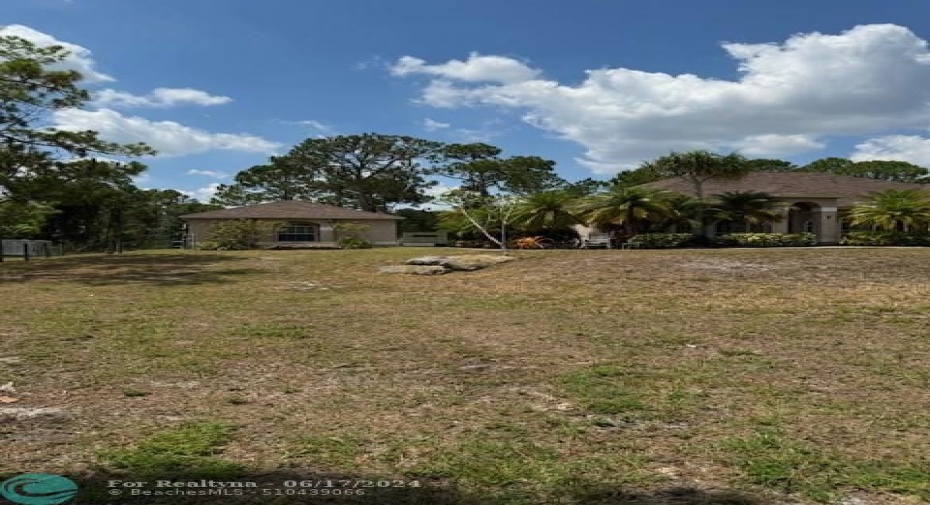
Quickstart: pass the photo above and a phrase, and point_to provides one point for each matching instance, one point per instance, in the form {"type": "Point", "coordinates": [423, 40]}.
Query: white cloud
{"type": "Point", "coordinates": [208, 173]}
{"type": "Point", "coordinates": [158, 98]}
{"type": "Point", "coordinates": [911, 148]}
{"type": "Point", "coordinates": [168, 137]}
{"type": "Point", "coordinates": [476, 68]}
{"type": "Point", "coordinates": [869, 80]}
{"type": "Point", "coordinates": [432, 125]}
{"type": "Point", "coordinates": [316, 125]}
{"type": "Point", "coordinates": [203, 194]}
{"type": "Point", "coordinates": [370, 63]}
{"type": "Point", "coordinates": [471, 135]}
{"type": "Point", "coordinates": [764, 146]}
{"type": "Point", "coordinates": [80, 58]}
{"type": "Point", "coordinates": [434, 191]}
{"type": "Point", "coordinates": [322, 129]}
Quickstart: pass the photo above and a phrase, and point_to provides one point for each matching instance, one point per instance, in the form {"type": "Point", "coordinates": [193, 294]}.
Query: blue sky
{"type": "Point", "coordinates": [597, 85]}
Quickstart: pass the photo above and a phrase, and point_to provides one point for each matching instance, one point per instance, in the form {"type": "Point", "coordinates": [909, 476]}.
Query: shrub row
{"type": "Point", "coordinates": [231, 245]}
{"type": "Point", "coordinates": [856, 238]}
{"type": "Point", "coordinates": [354, 243]}
{"type": "Point", "coordinates": [671, 240]}
{"type": "Point", "coordinates": [665, 240]}
{"type": "Point", "coordinates": [221, 245]}
{"type": "Point", "coordinates": [884, 238]}
{"type": "Point", "coordinates": [766, 240]}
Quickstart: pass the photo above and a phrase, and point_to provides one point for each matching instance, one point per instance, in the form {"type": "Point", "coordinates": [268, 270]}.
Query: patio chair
{"type": "Point", "coordinates": [597, 240]}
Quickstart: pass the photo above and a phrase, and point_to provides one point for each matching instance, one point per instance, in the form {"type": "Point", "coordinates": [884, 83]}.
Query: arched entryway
{"type": "Point", "coordinates": [804, 217]}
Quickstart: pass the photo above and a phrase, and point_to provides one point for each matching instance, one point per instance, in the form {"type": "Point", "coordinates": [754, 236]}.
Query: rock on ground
{"type": "Point", "coordinates": [426, 260]}
{"type": "Point", "coordinates": [462, 263]}
{"type": "Point", "coordinates": [414, 269]}
{"type": "Point", "coordinates": [33, 413]}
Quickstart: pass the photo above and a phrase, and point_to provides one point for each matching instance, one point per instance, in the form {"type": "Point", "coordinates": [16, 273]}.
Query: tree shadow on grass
{"type": "Point", "coordinates": [293, 487]}
{"type": "Point", "coordinates": [100, 270]}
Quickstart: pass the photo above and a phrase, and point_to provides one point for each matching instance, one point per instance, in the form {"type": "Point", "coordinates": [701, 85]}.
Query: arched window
{"type": "Point", "coordinates": [299, 232]}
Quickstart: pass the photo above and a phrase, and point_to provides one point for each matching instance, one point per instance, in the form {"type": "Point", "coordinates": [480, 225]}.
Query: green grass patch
{"type": "Point", "coordinates": [634, 392]}
{"type": "Point", "coordinates": [608, 389]}
{"type": "Point", "coordinates": [509, 472]}
{"type": "Point", "coordinates": [771, 459]}
{"type": "Point", "coordinates": [188, 451]}
{"type": "Point", "coordinates": [518, 471]}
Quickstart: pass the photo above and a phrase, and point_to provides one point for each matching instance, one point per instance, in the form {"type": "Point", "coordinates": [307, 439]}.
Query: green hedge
{"type": "Point", "coordinates": [665, 240]}
{"type": "Point", "coordinates": [766, 240]}
{"type": "Point", "coordinates": [885, 238]}
{"type": "Point", "coordinates": [225, 245]}
{"type": "Point", "coordinates": [354, 243]}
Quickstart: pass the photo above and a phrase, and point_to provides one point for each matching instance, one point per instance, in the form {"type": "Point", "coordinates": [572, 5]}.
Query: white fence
{"type": "Point", "coordinates": [26, 247]}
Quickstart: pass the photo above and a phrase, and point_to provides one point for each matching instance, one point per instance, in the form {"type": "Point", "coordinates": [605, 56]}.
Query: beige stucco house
{"type": "Point", "coordinates": [816, 203]}
{"type": "Point", "coordinates": [304, 223]}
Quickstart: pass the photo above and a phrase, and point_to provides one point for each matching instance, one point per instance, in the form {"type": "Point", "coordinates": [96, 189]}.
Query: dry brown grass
{"type": "Point", "coordinates": [584, 376]}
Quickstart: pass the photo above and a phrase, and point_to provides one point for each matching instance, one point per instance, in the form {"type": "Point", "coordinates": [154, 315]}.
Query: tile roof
{"type": "Point", "coordinates": [847, 189]}
{"type": "Point", "coordinates": [290, 210]}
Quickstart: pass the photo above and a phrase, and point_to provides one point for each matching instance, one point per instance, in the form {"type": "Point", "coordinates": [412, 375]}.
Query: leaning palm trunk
{"type": "Point", "coordinates": [500, 243]}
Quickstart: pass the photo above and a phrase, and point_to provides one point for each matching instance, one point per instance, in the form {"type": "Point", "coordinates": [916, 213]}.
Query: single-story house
{"type": "Point", "coordinates": [303, 223]}
{"type": "Point", "coordinates": [816, 203]}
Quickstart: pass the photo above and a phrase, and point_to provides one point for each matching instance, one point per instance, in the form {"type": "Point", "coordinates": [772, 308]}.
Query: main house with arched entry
{"type": "Point", "coordinates": [815, 203]}
{"type": "Point", "coordinates": [300, 223]}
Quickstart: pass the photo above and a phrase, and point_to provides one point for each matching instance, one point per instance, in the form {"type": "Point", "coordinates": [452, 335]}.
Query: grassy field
{"type": "Point", "coordinates": [599, 377]}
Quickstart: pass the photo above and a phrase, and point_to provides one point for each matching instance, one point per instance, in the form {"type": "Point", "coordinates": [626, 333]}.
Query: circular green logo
{"type": "Point", "coordinates": [38, 489]}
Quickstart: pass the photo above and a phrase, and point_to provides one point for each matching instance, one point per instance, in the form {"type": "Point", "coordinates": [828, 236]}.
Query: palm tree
{"type": "Point", "coordinates": [549, 210]}
{"type": "Point", "coordinates": [627, 206]}
{"type": "Point", "coordinates": [690, 210]}
{"type": "Point", "coordinates": [698, 167]}
{"type": "Point", "coordinates": [893, 210]}
{"type": "Point", "coordinates": [747, 207]}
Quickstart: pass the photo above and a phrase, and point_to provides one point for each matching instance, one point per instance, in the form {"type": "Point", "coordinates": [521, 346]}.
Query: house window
{"type": "Point", "coordinates": [298, 232]}
{"type": "Point", "coordinates": [809, 226]}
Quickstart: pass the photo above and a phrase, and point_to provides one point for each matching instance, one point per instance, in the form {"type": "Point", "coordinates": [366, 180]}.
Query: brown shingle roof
{"type": "Point", "coordinates": [849, 190]}
{"type": "Point", "coordinates": [290, 210]}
